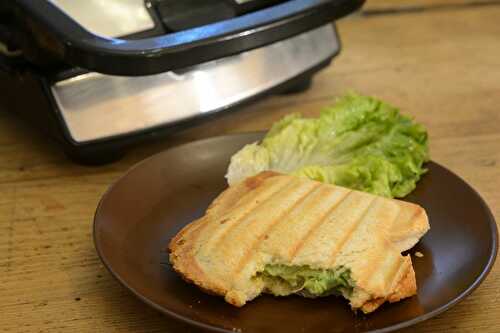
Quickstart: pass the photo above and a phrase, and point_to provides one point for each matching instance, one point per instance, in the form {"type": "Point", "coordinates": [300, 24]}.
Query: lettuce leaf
{"type": "Point", "coordinates": [360, 142]}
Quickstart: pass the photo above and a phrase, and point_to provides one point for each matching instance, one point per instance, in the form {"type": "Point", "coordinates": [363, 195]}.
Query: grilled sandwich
{"type": "Point", "coordinates": [281, 234]}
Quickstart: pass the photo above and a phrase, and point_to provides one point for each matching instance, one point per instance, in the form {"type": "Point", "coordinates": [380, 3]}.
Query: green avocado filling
{"type": "Point", "coordinates": [282, 280]}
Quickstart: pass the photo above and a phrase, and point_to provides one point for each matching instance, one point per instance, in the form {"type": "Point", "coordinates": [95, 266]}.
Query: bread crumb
{"type": "Point", "coordinates": [419, 254]}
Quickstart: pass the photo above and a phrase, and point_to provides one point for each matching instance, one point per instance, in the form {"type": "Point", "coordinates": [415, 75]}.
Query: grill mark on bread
{"type": "Point", "coordinates": [180, 236]}
{"type": "Point", "coordinates": [185, 232]}
{"type": "Point", "coordinates": [406, 286]}
{"type": "Point", "coordinates": [254, 182]}
{"type": "Point", "coordinates": [418, 211]}
{"type": "Point", "coordinates": [315, 226]}
{"type": "Point", "coordinates": [395, 275]}
{"type": "Point", "coordinates": [410, 223]}
{"type": "Point", "coordinates": [398, 217]}
{"type": "Point", "coordinates": [228, 199]}
{"type": "Point", "coordinates": [281, 217]}
{"type": "Point", "coordinates": [231, 224]}
{"type": "Point", "coordinates": [193, 235]}
{"type": "Point", "coordinates": [392, 271]}
{"type": "Point", "coordinates": [351, 230]}
{"type": "Point", "coordinates": [398, 268]}
{"type": "Point", "coordinates": [389, 265]}
{"type": "Point", "coordinates": [183, 258]}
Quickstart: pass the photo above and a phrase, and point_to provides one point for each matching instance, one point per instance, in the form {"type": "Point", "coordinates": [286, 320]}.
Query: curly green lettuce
{"type": "Point", "coordinates": [360, 142]}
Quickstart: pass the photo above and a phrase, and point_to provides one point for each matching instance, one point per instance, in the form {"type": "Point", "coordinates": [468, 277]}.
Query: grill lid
{"type": "Point", "coordinates": [64, 39]}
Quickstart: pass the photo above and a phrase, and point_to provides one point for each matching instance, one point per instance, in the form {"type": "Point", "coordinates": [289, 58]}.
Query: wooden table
{"type": "Point", "coordinates": [438, 60]}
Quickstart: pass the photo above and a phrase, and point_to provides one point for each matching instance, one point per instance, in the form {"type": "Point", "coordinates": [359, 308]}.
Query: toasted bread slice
{"type": "Point", "coordinates": [275, 219]}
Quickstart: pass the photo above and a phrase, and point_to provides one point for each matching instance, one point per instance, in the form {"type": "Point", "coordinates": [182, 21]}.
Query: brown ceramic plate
{"type": "Point", "coordinates": [143, 210]}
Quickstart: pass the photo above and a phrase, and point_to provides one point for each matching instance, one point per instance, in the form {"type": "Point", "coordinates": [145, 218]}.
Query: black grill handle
{"type": "Point", "coordinates": [68, 42]}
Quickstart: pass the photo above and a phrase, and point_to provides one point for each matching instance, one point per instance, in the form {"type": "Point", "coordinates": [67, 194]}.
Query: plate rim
{"type": "Point", "coordinates": [479, 279]}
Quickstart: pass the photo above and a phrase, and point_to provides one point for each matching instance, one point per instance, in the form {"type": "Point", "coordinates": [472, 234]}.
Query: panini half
{"type": "Point", "coordinates": [281, 234]}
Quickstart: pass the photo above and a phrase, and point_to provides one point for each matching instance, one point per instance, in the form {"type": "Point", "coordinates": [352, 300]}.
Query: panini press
{"type": "Point", "coordinates": [100, 75]}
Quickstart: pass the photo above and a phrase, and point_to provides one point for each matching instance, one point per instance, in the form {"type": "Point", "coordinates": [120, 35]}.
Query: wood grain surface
{"type": "Point", "coordinates": [440, 66]}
